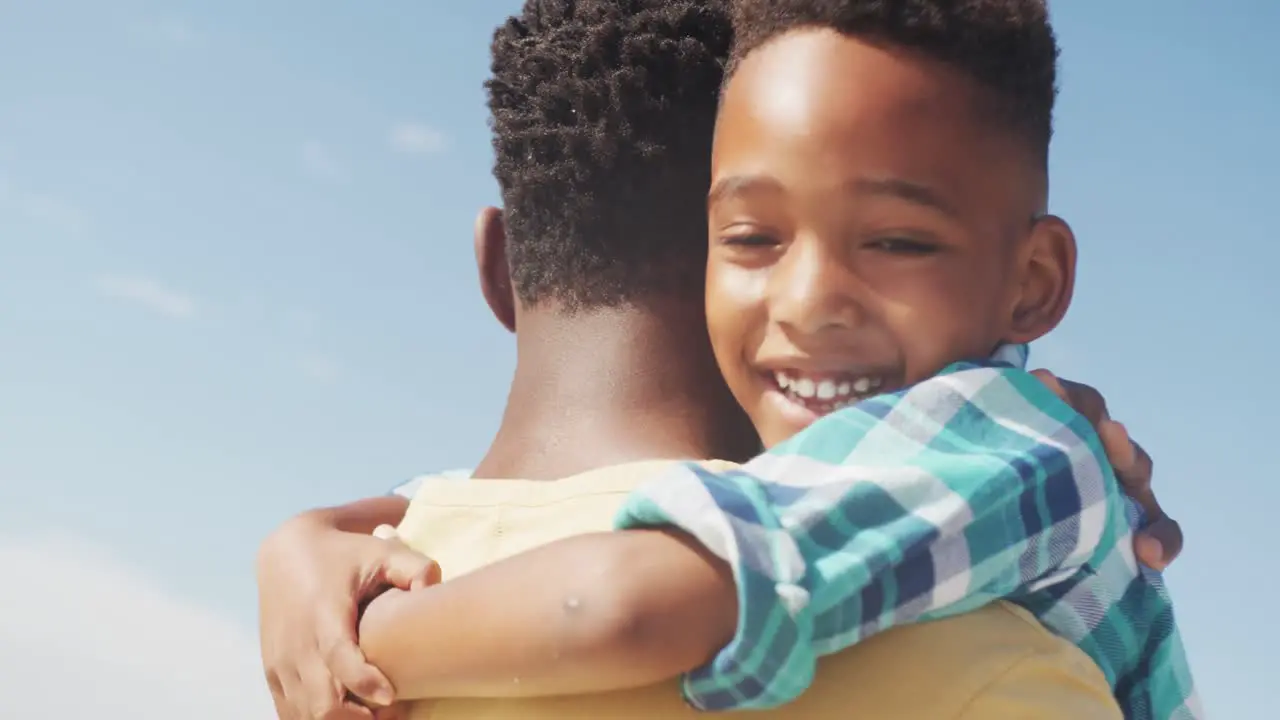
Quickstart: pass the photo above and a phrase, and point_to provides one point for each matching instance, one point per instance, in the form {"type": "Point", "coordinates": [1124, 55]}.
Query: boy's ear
{"type": "Point", "coordinates": [495, 273]}
{"type": "Point", "coordinates": [1048, 266]}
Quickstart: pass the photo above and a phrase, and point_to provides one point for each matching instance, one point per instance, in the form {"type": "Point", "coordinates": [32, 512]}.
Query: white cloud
{"type": "Point", "coordinates": [41, 208]}
{"type": "Point", "coordinates": [416, 139]}
{"type": "Point", "coordinates": [321, 369]}
{"type": "Point", "coordinates": [148, 293]}
{"type": "Point", "coordinates": [84, 635]}
{"type": "Point", "coordinates": [319, 162]}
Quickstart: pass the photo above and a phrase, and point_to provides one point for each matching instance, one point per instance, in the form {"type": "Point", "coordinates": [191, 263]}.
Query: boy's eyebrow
{"type": "Point", "coordinates": [741, 184]}
{"type": "Point", "coordinates": [912, 192]}
{"type": "Point", "coordinates": [905, 190]}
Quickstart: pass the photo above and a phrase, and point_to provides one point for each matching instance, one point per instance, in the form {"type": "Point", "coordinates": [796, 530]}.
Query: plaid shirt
{"type": "Point", "coordinates": [976, 485]}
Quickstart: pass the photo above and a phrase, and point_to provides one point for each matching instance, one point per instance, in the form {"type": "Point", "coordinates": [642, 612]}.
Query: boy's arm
{"type": "Point", "coordinates": [591, 613]}
{"type": "Point", "coordinates": [969, 487]}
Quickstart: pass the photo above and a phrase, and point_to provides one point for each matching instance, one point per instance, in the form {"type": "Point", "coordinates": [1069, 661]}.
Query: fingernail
{"type": "Point", "coordinates": [1155, 551]}
{"type": "Point", "coordinates": [383, 696]}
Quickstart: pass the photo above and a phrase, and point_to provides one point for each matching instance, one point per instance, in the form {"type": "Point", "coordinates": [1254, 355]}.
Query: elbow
{"type": "Point", "coordinates": [664, 613]}
{"type": "Point", "coordinates": [601, 610]}
{"type": "Point", "coordinates": [615, 621]}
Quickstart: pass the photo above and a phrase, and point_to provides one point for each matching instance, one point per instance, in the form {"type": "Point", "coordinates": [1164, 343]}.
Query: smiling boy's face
{"type": "Point", "coordinates": [870, 223]}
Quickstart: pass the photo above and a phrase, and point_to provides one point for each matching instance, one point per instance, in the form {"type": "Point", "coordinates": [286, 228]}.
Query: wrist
{"type": "Point", "coordinates": [295, 532]}
{"type": "Point", "coordinates": [316, 520]}
{"type": "Point", "coordinates": [360, 517]}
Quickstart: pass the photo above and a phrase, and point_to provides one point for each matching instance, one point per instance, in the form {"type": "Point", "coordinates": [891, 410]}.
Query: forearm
{"type": "Point", "coordinates": [361, 516]}
{"type": "Point", "coordinates": [587, 614]}
{"type": "Point", "coordinates": [292, 542]}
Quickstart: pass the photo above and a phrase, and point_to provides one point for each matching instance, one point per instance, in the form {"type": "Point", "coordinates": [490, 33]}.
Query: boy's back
{"type": "Point", "coordinates": [996, 662]}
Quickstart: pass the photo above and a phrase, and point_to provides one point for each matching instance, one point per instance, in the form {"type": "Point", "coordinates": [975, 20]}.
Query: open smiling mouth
{"type": "Point", "coordinates": [827, 392]}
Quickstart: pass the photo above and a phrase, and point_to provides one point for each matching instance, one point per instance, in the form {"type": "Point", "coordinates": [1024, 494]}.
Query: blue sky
{"type": "Point", "coordinates": [236, 282]}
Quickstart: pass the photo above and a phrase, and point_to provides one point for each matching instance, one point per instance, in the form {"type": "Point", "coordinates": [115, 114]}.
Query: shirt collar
{"type": "Point", "coordinates": [1015, 355]}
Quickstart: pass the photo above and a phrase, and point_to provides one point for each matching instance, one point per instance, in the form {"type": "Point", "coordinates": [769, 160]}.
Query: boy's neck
{"type": "Point", "coordinates": [603, 387]}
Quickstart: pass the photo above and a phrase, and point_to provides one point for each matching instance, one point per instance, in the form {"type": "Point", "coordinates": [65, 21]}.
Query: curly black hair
{"type": "Point", "coordinates": [602, 115]}
{"type": "Point", "coordinates": [1008, 46]}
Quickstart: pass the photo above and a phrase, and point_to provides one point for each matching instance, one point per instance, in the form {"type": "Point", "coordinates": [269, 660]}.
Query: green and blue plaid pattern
{"type": "Point", "coordinates": [976, 485]}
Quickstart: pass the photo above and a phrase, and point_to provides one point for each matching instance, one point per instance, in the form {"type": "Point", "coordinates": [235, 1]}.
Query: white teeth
{"type": "Point", "coordinates": [839, 393]}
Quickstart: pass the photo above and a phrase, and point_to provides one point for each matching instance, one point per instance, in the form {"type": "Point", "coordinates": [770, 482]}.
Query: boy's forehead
{"type": "Point", "coordinates": [817, 80]}
{"type": "Point", "coordinates": [819, 104]}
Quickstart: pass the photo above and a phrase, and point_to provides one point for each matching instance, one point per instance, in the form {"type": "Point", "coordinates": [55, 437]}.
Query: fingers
{"type": "Point", "coordinates": [1082, 398]}
{"type": "Point", "coordinates": [284, 711]}
{"type": "Point", "coordinates": [1123, 452]}
{"type": "Point", "coordinates": [1160, 543]}
{"type": "Point", "coordinates": [352, 671]}
{"type": "Point", "coordinates": [323, 698]}
{"type": "Point", "coordinates": [1051, 381]}
{"type": "Point", "coordinates": [1133, 468]}
{"type": "Point", "coordinates": [405, 569]}
{"type": "Point", "coordinates": [1131, 463]}
{"type": "Point", "coordinates": [344, 664]}
{"type": "Point", "coordinates": [317, 688]}
{"type": "Point", "coordinates": [409, 570]}
{"type": "Point", "coordinates": [309, 695]}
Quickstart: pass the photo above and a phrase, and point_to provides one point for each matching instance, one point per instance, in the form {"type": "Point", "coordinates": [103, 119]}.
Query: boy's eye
{"type": "Point", "coordinates": [749, 240]}
{"type": "Point", "coordinates": [903, 246]}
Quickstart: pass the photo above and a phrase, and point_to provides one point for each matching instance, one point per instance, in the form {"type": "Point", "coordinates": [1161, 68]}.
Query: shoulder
{"type": "Point", "coordinates": [993, 663]}
{"type": "Point", "coordinates": [1050, 678]}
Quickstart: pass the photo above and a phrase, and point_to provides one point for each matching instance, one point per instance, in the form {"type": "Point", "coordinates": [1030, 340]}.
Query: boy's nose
{"type": "Point", "coordinates": [812, 290]}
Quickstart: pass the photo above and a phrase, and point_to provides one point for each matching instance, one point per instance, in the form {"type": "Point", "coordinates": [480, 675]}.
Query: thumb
{"type": "Point", "coordinates": [409, 570]}
{"type": "Point", "coordinates": [406, 568]}
{"type": "Point", "coordinates": [1159, 544]}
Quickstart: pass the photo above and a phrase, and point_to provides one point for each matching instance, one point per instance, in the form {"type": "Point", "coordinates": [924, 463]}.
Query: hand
{"type": "Point", "coordinates": [1160, 542]}
{"type": "Point", "coordinates": [312, 579]}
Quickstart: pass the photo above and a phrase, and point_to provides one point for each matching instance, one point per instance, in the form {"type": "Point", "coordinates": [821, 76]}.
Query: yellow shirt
{"type": "Point", "coordinates": [994, 663]}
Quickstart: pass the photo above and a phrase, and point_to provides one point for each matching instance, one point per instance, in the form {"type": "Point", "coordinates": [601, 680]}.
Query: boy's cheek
{"type": "Point", "coordinates": [935, 330]}
{"type": "Point", "coordinates": [736, 315]}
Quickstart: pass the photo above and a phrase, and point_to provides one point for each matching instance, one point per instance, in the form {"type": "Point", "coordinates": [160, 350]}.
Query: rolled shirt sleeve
{"type": "Point", "coordinates": [975, 485]}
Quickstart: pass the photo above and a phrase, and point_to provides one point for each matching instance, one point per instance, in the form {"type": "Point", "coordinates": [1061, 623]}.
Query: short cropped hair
{"type": "Point", "coordinates": [602, 114]}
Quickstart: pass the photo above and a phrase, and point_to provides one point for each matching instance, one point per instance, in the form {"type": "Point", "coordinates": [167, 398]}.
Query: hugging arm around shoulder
{"type": "Point", "coordinates": [618, 610]}
{"type": "Point", "coordinates": [591, 613]}
{"type": "Point", "coordinates": [975, 485]}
